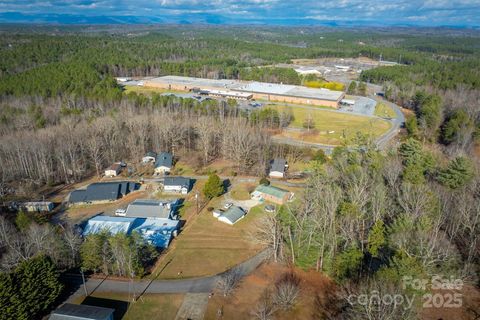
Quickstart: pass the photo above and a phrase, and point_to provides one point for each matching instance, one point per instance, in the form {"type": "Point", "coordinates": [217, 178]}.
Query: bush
{"type": "Point", "coordinates": [264, 181]}
{"type": "Point", "coordinates": [287, 290]}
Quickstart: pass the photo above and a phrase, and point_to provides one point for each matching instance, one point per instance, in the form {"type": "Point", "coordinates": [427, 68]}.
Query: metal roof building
{"type": "Point", "coordinates": [250, 89]}
{"type": "Point", "coordinates": [113, 225]}
{"type": "Point", "coordinates": [158, 232]}
{"type": "Point", "coordinates": [69, 311]}
{"type": "Point", "coordinates": [155, 209]}
{"type": "Point", "coordinates": [177, 181]}
{"type": "Point", "coordinates": [102, 191]}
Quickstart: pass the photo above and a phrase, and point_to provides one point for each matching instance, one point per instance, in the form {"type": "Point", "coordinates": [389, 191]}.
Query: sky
{"type": "Point", "coordinates": [459, 13]}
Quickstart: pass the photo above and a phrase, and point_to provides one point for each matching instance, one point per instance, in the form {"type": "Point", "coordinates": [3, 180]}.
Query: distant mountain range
{"type": "Point", "coordinates": [197, 18]}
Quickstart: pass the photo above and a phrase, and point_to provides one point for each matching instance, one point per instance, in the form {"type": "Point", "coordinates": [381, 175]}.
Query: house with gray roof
{"type": "Point", "coordinates": [163, 163]}
{"type": "Point", "coordinates": [232, 215]}
{"type": "Point", "coordinates": [177, 184]}
{"type": "Point", "coordinates": [155, 209]}
{"type": "Point", "coordinates": [101, 192]}
{"type": "Point", "coordinates": [278, 168]}
{"type": "Point", "coordinates": [69, 311]}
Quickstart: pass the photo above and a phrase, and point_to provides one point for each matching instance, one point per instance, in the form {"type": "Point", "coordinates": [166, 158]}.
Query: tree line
{"type": "Point", "coordinates": [368, 221]}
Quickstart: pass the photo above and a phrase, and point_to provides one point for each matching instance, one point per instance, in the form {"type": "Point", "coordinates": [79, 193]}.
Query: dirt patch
{"type": "Point", "coordinates": [469, 310]}
{"type": "Point", "coordinates": [247, 295]}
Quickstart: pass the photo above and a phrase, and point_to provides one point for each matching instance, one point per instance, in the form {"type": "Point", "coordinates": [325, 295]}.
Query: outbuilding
{"type": "Point", "coordinates": [38, 206]}
{"type": "Point", "coordinates": [149, 157]}
{"type": "Point", "coordinates": [114, 170]}
{"type": "Point", "coordinates": [278, 168]}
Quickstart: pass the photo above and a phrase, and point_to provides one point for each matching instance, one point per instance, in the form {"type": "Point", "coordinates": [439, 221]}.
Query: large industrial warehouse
{"type": "Point", "coordinates": [245, 90]}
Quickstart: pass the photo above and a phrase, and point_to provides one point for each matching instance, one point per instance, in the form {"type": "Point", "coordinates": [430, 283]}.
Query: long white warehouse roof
{"type": "Point", "coordinates": [251, 87]}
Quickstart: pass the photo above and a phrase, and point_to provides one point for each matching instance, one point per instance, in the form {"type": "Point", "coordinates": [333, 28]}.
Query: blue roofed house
{"type": "Point", "coordinates": [163, 163]}
{"type": "Point", "coordinates": [155, 220]}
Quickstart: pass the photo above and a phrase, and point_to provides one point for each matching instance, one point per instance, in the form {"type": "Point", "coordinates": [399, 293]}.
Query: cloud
{"type": "Point", "coordinates": [427, 12]}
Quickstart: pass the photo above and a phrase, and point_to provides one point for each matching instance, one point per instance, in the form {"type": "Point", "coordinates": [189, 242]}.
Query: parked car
{"type": "Point", "coordinates": [121, 212]}
{"type": "Point", "coordinates": [228, 205]}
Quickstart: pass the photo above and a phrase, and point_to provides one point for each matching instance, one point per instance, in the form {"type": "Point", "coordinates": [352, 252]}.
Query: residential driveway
{"type": "Point", "coordinates": [244, 204]}
{"type": "Point", "coordinates": [193, 307]}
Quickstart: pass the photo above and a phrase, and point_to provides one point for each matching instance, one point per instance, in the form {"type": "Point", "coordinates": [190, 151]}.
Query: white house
{"type": "Point", "coordinates": [278, 168]}
{"type": "Point", "coordinates": [114, 170]}
{"type": "Point", "coordinates": [176, 184]}
{"type": "Point", "coordinates": [232, 215]}
{"type": "Point", "coordinates": [163, 163]}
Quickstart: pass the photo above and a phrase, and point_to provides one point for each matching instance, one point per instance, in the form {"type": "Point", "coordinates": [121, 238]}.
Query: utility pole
{"type": "Point", "coordinates": [83, 280]}
{"type": "Point", "coordinates": [196, 199]}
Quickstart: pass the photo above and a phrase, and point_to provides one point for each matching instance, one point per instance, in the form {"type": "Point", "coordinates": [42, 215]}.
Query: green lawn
{"type": "Point", "coordinates": [149, 306]}
{"type": "Point", "coordinates": [385, 111]}
{"type": "Point", "coordinates": [209, 247]}
{"type": "Point", "coordinates": [331, 127]}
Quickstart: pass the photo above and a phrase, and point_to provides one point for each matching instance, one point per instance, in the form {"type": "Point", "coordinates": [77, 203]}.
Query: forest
{"type": "Point", "coordinates": [368, 217]}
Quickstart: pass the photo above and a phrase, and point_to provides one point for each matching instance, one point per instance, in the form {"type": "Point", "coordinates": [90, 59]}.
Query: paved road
{"type": "Point", "coordinates": [235, 179]}
{"type": "Point", "coordinates": [140, 287]}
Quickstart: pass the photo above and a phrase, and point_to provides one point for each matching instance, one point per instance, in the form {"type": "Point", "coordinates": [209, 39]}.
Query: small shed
{"type": "Point", "coordinates": [278, 168]}
{"type": "Point", "coordinates": [69, 311]}
{"type": "Point", "coordinates": [114, 170]}
{"type": "Point", "coordinates": [149, 157]}
{"type": "Point", "coordinates": [232, 215]}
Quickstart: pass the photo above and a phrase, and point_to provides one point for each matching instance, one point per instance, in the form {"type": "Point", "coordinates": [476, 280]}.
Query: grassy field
{"type": "Point", "coordinates": [150, 306]}
{"type": "Point", "coordinates": [241, 191]}
{"type": "Point", "coordinates": [209, 247]}
{"type": "Point", "coordinates": [331, 127]}
{"type": "Point", "coordinates": [148, 90]}
{"type": "Point", "coordinates": [384, 110]}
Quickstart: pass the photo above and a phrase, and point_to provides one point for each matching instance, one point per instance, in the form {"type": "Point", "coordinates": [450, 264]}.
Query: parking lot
{"type": "Point", "coordinates": [363, 106]}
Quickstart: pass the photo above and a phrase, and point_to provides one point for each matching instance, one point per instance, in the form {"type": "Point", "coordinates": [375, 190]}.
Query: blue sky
{"type": "Point", "coordinates": [371, 12]}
